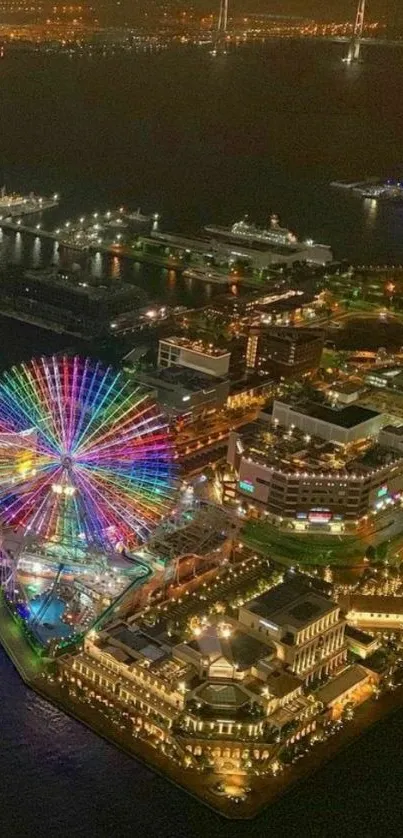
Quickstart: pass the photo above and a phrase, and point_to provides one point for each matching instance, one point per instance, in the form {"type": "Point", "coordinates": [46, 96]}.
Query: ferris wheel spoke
{"type": "Point", "coordinates": [85, 458]}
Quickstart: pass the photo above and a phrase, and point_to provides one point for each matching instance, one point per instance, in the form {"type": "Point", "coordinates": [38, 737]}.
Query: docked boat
{"type": "Point", "coordinates": [245, 231]}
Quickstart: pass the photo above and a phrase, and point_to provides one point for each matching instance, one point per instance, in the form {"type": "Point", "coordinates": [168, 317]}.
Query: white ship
{"type": "Point", "coordinates": [265, 246]}
{"type": "Point", "coordinates": [245, 231]}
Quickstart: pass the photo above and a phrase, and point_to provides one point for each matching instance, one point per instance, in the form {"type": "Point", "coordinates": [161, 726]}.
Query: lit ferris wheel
{"type": "Point", "coordinates": [85, 458]}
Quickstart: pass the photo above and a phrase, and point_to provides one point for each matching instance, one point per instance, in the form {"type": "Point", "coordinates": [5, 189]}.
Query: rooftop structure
{"type": "Point", "coordinates": [195, 354]}
{"type": "Point", "coordinates": [312, 481]}
{"type": "Point", "coordinates": [185, 391]}
{"type": "Point", "coordinates": [305, 627]}
{"type": "Point", "coordinates": [337, 424]}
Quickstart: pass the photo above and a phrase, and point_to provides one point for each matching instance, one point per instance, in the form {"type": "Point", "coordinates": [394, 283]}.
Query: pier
{"type": "Point", "coordinates": [98, 234]}
{"type": "Point", "coordinates": [12, 206]}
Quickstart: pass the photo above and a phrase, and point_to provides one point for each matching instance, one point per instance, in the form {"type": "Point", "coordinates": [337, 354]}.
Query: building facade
{"type": "Point", "coordinates": [283, 352]}
{"type": "Point", "coordinates": [306, 628]}
{"type": "Point", "coordinates": [337, 424]}
{"type": "Point", "coordinates": [195, 355]}
{"type": "Point", "coordinates": [313, 495]}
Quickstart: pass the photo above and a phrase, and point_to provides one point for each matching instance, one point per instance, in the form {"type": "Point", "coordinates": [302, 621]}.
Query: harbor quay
{"type": "Point", "coordinates": [219, 255]}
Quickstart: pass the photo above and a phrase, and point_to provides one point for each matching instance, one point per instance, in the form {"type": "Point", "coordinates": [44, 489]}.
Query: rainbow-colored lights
{"type": "Point", "coordinates": [85, 458]}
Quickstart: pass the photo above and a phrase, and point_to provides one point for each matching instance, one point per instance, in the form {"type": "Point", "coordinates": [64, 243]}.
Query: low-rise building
{"type": "Point", "coordinates": [305, 627]}
{"type": "Point", "coordinates": [183, 391]}
{"type": "Point", "coordinates": [196, 355]}
{"type": "Point", "coordinates": [345, 393]}
{"type": "Point", "coordinates": [374, 612]}
{"type": "Point", "coordinates": [337, 424]}
{"type": "Point", "coordinates": [360, 642]}
{"type": "Point", "coordinates": [310, 481]}
{"type": "Point", "coordinates": [352, 686]}
{"type": "Point", "coordinates": [283, 352]}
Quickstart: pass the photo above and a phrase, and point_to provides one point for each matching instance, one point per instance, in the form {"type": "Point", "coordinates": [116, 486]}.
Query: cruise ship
{"type": "Point", "coordinates": [263, 247]}
{"type": "Point", "coordinates": [247, 232]}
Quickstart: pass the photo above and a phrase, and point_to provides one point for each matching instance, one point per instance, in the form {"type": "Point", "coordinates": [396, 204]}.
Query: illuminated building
{"type": "Point", "coordinates": [343, 425]}
{"type": "Point", "coordinates": [306, 628]}
{"type": "Point", "coordinates": [193, 354]}
{"type": "Point", "coordinates": [283, 352]}
{"type": "Point", "coordinates": [184, 391]}
{"type": "Point", "coordinates": [374, 612]}
{"type": "Point", "coordinates": [311, 481]}
{"type": "Point", "coordinates": [237, 688]}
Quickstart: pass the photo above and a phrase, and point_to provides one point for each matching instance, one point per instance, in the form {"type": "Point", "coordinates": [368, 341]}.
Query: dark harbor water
{"type": "Point", "coordinates": [263, 129]}
{"type": "Point", "coordinates": [199, 140]}
{"type": "Point", "coordinates": [57, 778]}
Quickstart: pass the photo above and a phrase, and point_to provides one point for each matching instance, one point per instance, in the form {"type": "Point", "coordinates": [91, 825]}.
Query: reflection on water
{"type": "Point", "coordinates": [36, 252]}
{"type": "Point", "coordinates": [370, 212]}
{"type": "Point", "coordinates": [17, 250]}
{"type": "Point", "coordinates": [55, 254]}
{"type": "Point", "coordinates": [160, 284]}
{"type": "Point", "coordinates": [115, 269]}
{"type": "Point", "coordinates": [97, 265]}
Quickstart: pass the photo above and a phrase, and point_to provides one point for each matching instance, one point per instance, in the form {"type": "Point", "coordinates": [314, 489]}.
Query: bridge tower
{"type": "Point", "coordinates": [354, 49]}
{"type": "Point", "coordinates": [222, 20]}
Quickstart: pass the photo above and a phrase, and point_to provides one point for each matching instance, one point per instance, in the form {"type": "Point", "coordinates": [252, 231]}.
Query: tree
{"type": "Point", "coordinates": [370, 553]}
{"type": "Point", "coordinates": [382, 550]}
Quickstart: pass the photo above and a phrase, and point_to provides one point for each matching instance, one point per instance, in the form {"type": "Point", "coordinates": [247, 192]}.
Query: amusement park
{"type": "Point", "coordinates": [87, 475]}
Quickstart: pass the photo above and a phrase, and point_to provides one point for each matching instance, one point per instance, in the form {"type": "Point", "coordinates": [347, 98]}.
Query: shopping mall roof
{"type": "Point", "coordinates": [344, 417]}
{"type": "Point", "coordinates": [295, 451]}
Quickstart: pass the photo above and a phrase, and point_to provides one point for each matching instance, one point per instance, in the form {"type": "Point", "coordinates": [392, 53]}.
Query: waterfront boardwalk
{"type": "Point", "coordinates": [28, 664]}
{"type": "Point", "coordinates": [132, 251]}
